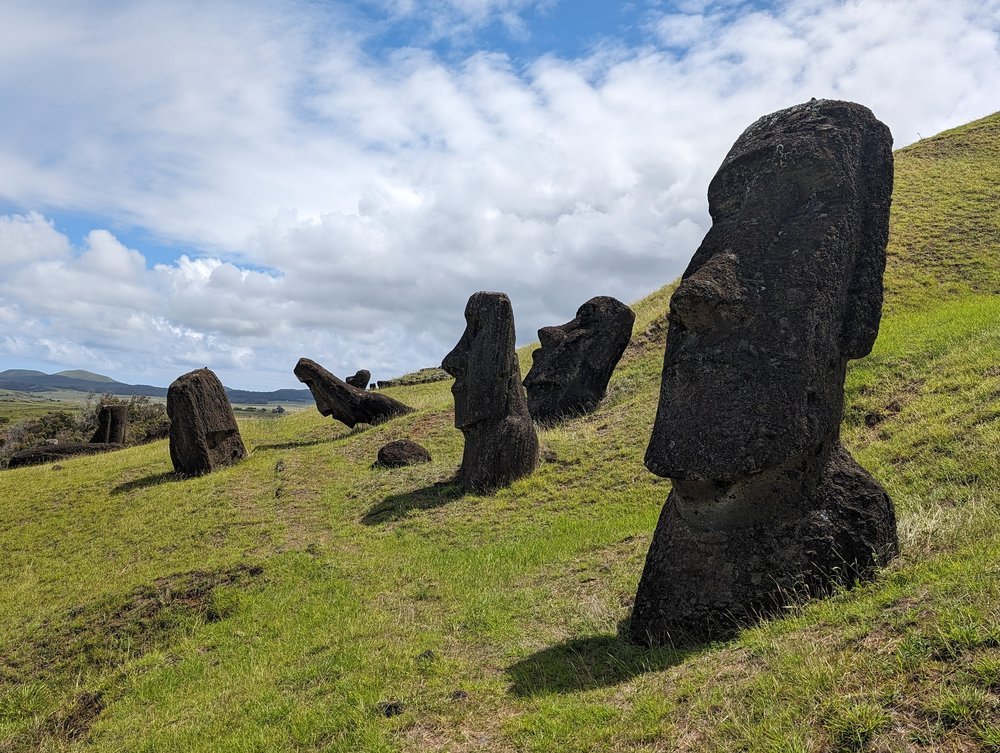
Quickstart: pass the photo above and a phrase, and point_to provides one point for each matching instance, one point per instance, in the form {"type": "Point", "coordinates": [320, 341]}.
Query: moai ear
{"type": "Point", "coordinates": [490, 354]}
{"type": "Point", "coordinates": [859, 326]}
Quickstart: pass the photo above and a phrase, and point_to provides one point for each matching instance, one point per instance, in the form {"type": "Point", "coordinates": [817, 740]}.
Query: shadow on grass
{"type": "Point", "coordinates": [146, 481]}
{"type": "Point", "coordinates": [588, 663]}
{"type": "Point", "coordinates": [396, 506]}
{"type": "Point", "coordinates": [301, 443]}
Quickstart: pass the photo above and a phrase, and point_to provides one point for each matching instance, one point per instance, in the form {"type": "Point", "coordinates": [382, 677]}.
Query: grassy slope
{"type": "Point", "coordinates": [131, 621]}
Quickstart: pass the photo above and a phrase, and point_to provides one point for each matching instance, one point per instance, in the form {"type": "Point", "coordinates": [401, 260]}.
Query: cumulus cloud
{"type": "Point", "coordinates": [343, 205]}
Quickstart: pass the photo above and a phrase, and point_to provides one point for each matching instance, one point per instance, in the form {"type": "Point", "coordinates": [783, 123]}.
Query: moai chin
{"type": "Point", "coordinates": [767, 505]}
{"type": "Point", "coordinates": [490, 409]}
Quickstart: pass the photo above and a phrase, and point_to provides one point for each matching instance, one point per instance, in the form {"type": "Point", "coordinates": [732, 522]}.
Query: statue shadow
{"type": "Point", "coordinates": [146, 481]}
{"type": "Point", "coordinates": [396, 506]}
{"type": "Point", "coordinates": [580, 664]}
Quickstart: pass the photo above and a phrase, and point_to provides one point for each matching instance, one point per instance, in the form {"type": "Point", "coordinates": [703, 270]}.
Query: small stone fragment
{"type": "Point", "coordinates": [402, 452]}
{"type": "Point", "coordinates": [390, 708]}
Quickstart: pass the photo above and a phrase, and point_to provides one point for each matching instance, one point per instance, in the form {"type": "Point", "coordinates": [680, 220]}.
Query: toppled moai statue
{"type": "Point", "coordinates": [767, 506]}
{"type": "Point", "coordinates": [203, 431]}
{"type": "Point", "coordinates": [347, 404]}
{"type": "Point", "coordinates": [401, 452]}
{"type": "Point", "coordinates": [490, 408]}
{"type": "Point", "coordinates": [360, 379]}
{"type": "Point", "coordinates": [112, 423]}
{"type": "Point", "coordinates": [49, 453]}
{"type": "Point", "coordinates": [571, 370]}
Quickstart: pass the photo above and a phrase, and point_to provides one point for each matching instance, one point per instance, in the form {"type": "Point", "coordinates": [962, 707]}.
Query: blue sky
{"type": "Point", "coordinates": [239, 184]}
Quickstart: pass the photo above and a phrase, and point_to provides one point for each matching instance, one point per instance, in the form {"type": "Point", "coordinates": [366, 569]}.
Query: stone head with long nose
{"type": "Point", "coordinates": [785, 288]}
{"type": "Point", "coordinates": [490, 408]}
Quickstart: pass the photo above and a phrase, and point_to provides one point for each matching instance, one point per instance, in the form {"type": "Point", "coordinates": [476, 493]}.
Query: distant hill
{"type": "Point", "coordinates": [20, 373]}
{"type": "Point", "coordinates": [89, 376]}
{"type": "Point", "coordinates": [78, 380]}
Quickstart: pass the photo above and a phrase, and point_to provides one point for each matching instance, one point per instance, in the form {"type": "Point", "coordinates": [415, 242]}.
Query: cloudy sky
{"type": "Point", "coordinates": [236, 183]}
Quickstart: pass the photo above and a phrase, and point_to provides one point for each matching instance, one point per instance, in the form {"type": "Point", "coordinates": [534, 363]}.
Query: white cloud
{"type": "Point", "coordinates": [30, 237]}
{"type": "Point", "coordinates": [344, 206]}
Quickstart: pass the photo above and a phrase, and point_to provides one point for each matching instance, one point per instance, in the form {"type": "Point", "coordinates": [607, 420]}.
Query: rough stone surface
{"type": "Point", "coordinates": [402, 452]}
{"type": "Point", "coordinates": [203, 431]}
{"type": "Point", "coordinates": [360, 379]}
{"type": "Point", "coordinates": [570, 371]}
{"type": "Point", "coordinates": [349, 405]}
{"type": "Point", "coordinates": [112, 424]}
{"type": "Point", "coordinates": [785, 288]}
{"type": "Point", "coordinates": [51, 452]}
{"type": "Point", "coordinates": [490, 408]}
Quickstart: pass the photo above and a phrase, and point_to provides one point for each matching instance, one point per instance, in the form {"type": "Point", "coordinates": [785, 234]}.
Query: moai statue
{"type": "Point", "coordinates": [360, 379]}
{"type": "Point", "coordinates": [570, 372]}
{"type": "Point", "coordinates": [112, 423]}
{"type": "Point", "coordinates": [500, 441]}
{"type": "Point", "coordinates": [347, 404]}
{"type": "Point", "coordinates": [767, 505]}
{"type": "Point", "coordinates": [203, 431]}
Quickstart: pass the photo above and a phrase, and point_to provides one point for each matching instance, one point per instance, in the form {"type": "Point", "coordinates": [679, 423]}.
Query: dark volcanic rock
{"type": "Point", "coordinates": [490, 408]}
{"type": "Point", "coordinates": [112, 423]}
{"type": "Point", "coordinates": [570, 372]}
{"type": "Point", "coordinates": [51, 452]}
{"type": "Point", "coordinates": [350, 405]}
{"type": "Point", "coordinates": [785, 288]}
{"type": "Point", "coordinates": [402, 452]}
{"type": "Point", "coordinates": [203, 430]}
{"type": "Point", "coordinates": [360, 379]}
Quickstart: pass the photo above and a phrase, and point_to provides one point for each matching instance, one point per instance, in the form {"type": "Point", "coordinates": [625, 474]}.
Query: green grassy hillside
{"type": "Point", "coordinates": [299, 600]}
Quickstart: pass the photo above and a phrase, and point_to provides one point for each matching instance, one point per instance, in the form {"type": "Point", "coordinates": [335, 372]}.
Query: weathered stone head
{"type": "Point", "coordinates": [203, 430]}
{"type": "Point", "coordinates": [360, 379]}
{"type": "Point", "coordinates": [570, 371]}
{"type": "Point", "coordinates": [490, 409]}
{"type": "Point", "coordinates": [112, 425]}
{"type": "Point", "coordinates": [785, 288]}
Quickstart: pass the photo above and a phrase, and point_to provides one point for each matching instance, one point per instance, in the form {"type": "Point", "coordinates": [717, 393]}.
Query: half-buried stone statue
{"type": "Point", "coordinates": [203, 431]}
{"type": "Point", "coordinates": [767, 505]}
{"type": "Point", "coordinates": [112, 424]}
{"type": "Point", "coordinates": [349, 405]}
{"type": "Point", "coordinates": [570, 371]}
{"type": "Point", "coordinates": [360, 379]}
{"type": "Point", "coordinates": [490, 409]}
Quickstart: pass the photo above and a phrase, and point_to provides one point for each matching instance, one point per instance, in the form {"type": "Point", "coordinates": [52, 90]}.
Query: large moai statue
{"type": "Point", "coordinates": [347, 404]}
{"type": "Point", "coordinates": [112, 424]}
{"type": "Point", "coordinates": [570, 372]}
{"type": "Point", "coordinates": [490, 409]}
{"type": "Point", "coordinates": [767, 506]}
{"type": "Point", "coordinates": [203, 431]}
{"type": "Point", "coordinates": [360, 379]}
